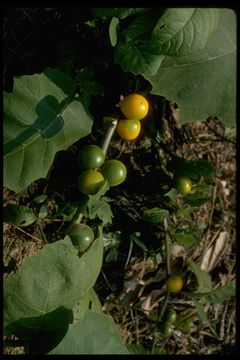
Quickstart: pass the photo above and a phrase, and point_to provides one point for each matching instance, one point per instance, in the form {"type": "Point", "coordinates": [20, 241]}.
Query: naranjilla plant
{"type": "Point", "coordinates": [51, 305]}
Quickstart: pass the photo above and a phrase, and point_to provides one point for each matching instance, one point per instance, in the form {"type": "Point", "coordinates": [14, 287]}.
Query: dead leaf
{"type": "Point", "coordinates": [214, 254]}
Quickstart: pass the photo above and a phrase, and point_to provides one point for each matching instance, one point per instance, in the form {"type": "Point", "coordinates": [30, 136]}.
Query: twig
{"type": "Point", "coordinates": [209, 221]}
{"type": "Point", "coordinates": [108, 283]}
{"type": "Point", "coordinates": [129, 253]}
{"type": "Point", "coordinates": [33, 237]}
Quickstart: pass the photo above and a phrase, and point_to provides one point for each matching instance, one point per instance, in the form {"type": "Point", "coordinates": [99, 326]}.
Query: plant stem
{"type": "Point", "coordinates": [111, 124]}
{"type": "Point", "coordinates": [167, 248]}
{"type": "Point", "coordinates": [160, 314]}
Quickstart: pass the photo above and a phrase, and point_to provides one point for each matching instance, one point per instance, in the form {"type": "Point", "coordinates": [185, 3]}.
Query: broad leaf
{"type": "Point", "coordinates": [19, 215]}
{"type": "Point", "coordinates": [132, 48]}
{"type": "Point", "coordinates": [47, 286]}
{"type": "Point", "coordinates": [189, 80]}
{"type": "Point", "coordinates": [183, 31]}
{"type": "Point", "coordinates": [134, 56]}
{"type": "Point", "coordinates": [203, 278]}
{"type": "Point", "coordinates": [89, 301]}
{"type": "Point", "coordinates": [95, 334]}
{"type": "Point", "coordinates": [40, 118]}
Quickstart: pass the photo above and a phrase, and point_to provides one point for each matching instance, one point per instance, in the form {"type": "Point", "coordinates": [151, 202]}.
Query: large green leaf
{"type": "Point", "coordinates": [40, 118]}
{"type": "Point", "coordinates": [47, 286]}
{"type": "Point", "coordinates": [94, 334]}
{"type": "Point", "coordinates": [182, 31]}
{"type": "Point", "coordinates": [203, 83]}
{"type": "Point", "coordinates": [90, 301]}
{"type": "Point", "coordinates": [132, 51]}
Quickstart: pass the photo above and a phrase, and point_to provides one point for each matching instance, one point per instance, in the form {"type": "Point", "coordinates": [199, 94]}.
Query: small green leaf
{"type": "Point", "coordinates": [101, 209]}
{"type": "Point", "coordinates": [186, 237]}
{"type": "Point", "coordinates": [40, 199]}
{"type": "Point", "coordinates": [219, 295]}
{"type": "Point", "coordinates": [184, 322]}
{"type": "Point", "coordinates": [93, 198]}
{"type": "Point", "coordinates": [203, 278]}
{"type": "Point", "coordinates": [172, 195]}
{"type": "Point", "coordinates": [19, 215]}
{"type": "Point", "coordinates": [68, 211]}
{"type": "Point", "coordinates": [139, 243]}
{"type": "Point", "coordinates": [43, 212]}
{"type": "Point", "coordinates": [113, 30]}
{"type": "Point", "coordinates": [196, 199]}
{"type": "Point", "coordinates": [199, 305]}
{"type": "Point", "coordinates": [155, 215]}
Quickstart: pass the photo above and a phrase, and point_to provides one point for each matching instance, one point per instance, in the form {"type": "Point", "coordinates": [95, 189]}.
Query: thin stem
{"type": "Point", "coordinates": [129, 253]}
{"type": "Point", "coordinates": [78, 219]}
{"type": "Point", "coordinates": [160, 314]}
{"type": "Point", "coordinates": [167, 248]}
{"type": "Point", "coordinates": [111, 124]}
{"type": "Point", "coordinates": [26, 233]}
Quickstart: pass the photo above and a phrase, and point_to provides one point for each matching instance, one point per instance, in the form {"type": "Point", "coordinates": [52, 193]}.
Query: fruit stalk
{"type": "Point", "coordinates": [111, 124]}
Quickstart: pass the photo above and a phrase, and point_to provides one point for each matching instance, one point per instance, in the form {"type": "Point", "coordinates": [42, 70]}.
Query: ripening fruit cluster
{"type": "Point", "coordinates": [134, 107]}
{"type": "Point", "coordinates": [97, 170]}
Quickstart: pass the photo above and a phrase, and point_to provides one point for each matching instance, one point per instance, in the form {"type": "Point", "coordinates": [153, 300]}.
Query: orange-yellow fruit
{"type": "Point", "coordinates": [134, 106]}
{"type": "Point", "coordinates": [128, 129]}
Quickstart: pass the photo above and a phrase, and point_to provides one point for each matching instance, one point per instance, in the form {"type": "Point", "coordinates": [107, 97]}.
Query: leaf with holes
{"type": "Point", "coordinates": [38, 299]}
{"type": "Point", "coordinates": [41, 117]}
{"type": "Point", "coordinates": [19, 215]}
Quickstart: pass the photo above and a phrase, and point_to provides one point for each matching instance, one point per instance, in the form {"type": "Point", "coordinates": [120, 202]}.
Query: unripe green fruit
{"type": "Point", "coordinates": [81, 236]}
{"type": "Point", "coordinates": [114, 172]}
{"type": "Point", "coordinates": [90, 182]}
{"type": "Point", "coordinates": [165, 328]}
{"type": "Point", "coordinates": [91, 157]}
